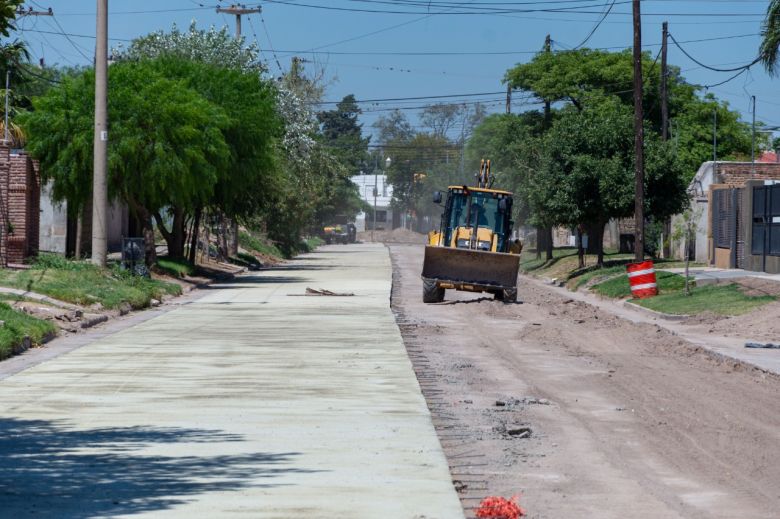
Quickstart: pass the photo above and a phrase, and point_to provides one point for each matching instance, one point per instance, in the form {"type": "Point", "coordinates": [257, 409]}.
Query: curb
{"type": "Point", "coordinates": [669, 317]}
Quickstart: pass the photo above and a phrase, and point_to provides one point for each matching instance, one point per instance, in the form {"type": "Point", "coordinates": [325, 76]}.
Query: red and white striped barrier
{"type": "Point", "coordinates": [641, 277]}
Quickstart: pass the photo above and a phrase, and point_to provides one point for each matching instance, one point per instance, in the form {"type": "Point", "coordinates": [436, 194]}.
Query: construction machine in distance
{"type": "Point", "coordinates": [473, 249]}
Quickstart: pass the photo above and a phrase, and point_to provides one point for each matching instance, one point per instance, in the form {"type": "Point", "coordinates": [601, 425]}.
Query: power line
{"type": "Point", "coordinates": [270, 43]}
{"type": "Point", "coordinates": [415, 98]}
{"type": "Point", "coordinates": [716, 69]}
{"type": "Point", "coordinates": [596, 27]}
{"type": "Point", "coordinates": [493, 11]}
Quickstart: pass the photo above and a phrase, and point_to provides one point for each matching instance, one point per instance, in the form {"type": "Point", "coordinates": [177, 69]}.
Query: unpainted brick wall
{"type": "Point", "coordinates": [20, 195]}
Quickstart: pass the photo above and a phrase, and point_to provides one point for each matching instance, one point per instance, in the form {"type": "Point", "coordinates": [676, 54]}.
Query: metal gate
{"type": "Point", "coordinates": [766, 223]}
{"type": "Point", "coordinates": [727, 226]}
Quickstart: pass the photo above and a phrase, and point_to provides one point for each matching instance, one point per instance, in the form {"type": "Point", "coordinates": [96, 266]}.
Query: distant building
{"type": "Point", "coordinates": [384, 194]}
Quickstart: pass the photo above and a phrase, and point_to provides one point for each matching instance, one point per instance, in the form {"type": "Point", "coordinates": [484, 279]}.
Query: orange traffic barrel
{"type": "Point", "coordinates": [641, 277]}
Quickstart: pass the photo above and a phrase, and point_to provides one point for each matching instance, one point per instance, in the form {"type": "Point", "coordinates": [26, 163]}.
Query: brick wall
{"type": "Point", "coordinates": [20, 194]}
{"type": "Point", "coordinates": [735, 174]}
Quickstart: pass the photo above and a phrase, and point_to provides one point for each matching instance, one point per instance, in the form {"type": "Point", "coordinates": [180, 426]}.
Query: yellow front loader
{"type": "Point", "coordinates": [473, 249]}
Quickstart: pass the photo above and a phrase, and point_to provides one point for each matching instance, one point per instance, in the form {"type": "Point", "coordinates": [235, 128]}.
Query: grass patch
{"type": "Point", "coordinates": [719, 299]}
{"type": "Point", "coordinates": [311, 243]}
{"type": "Point", "coordinates": [82, 283]}
{"type": "Point", "coordinates": [18, 325]}
{"type": "Point", "coordinates": [253, 243]}
{"type": "Point", "coordinates": [577, 280]}
{"type": "Point", "coordinates": [175, 268]}
{"type": "Point", "coordinates": [529, 262]}
{"type": "Point", "coordinates": [618, 287]}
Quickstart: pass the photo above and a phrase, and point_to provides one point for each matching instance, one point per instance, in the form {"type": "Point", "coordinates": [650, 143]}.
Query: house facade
{"type": "Point", "coordinates": [737, 211]}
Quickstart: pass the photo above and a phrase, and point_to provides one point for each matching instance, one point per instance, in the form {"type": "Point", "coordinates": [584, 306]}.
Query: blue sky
{"type": "Point", "coordinates": [372, 67]}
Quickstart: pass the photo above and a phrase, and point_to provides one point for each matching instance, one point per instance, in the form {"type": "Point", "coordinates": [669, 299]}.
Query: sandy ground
{"type": "Point", "coordinates": [585, 414]}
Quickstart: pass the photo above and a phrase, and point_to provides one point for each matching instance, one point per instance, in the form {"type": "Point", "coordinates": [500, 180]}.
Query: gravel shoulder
{"type": "Point", "coordinates": [602, 417]}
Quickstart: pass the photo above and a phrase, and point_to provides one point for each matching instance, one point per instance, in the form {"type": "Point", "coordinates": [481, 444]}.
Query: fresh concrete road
{"type": "Point", "coordinates": [252, 401]}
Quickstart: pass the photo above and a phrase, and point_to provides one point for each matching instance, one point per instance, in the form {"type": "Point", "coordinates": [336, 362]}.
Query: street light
{"type": "Point", "coordinates": [388, 161]}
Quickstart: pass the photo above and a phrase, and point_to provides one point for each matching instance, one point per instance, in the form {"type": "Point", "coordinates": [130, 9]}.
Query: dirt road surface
{"type": "Point", "coordinates": [585, 414]}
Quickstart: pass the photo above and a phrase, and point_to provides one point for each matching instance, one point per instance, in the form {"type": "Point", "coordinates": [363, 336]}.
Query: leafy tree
{"type": "Point", "coordinates": [173, 148]}
{"type": "Point", "coordinates": [212, 46]}
{"type": "Point", "coordinates": [573, 76]}
{"type": "Point", "coordinates": [394, 127]}
{"type": "Point", "coordinates": [769, 52]}
{"type": "Point", "coordinates": [588, 170]}
{"type": "Point", "coordinates": [344, 136]}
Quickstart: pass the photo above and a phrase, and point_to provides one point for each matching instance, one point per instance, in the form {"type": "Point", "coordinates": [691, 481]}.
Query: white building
{"type": "Point", "coordinates": [384, 193]}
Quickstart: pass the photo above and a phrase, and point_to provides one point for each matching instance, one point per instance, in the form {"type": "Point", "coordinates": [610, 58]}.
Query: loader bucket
{"type": "Point", "coordinates": [473, 267]}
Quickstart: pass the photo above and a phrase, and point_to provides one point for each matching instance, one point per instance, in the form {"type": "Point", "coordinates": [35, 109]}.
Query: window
{"type": "Point", "coordinates": [381, 216]}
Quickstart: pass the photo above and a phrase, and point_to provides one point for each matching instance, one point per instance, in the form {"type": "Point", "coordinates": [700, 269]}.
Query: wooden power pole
{"type": "Point", "coordinates": [238, 10]}
{"type": "Point", "coordinates": [546, 232]}
{"type": "Point", "coordinates": [664, 83]}
{"type": "Point", "coordinates": [666, 247]}
{"type": "Point", "coordinates": [639, 140]}
{"type": "Point", "coordinates": [99, 183]}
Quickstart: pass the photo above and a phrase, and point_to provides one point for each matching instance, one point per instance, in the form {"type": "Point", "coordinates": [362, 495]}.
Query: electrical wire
{"type": "Point", "coordinates": [716, 69]}
{"type": "Point", "coordinates": [596, 27]}
{"type": "Point", "coordinates": [270, 43]}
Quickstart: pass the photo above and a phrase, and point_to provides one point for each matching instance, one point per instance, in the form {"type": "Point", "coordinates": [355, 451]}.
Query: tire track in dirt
{"type": "Point", "coordinates": [625, 420]}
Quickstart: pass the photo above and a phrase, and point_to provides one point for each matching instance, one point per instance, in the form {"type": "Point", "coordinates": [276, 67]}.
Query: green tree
{"type": "Point", "coordinates": [573, 76]}
{"type": "Point", "coordinates": [769, 52]}
{"type": "Point", "coordinates": [173, 147]}
{"type": "Point", "coordinates": [588, 169]}
{"type": "Point", "coordinates": [342, 133]}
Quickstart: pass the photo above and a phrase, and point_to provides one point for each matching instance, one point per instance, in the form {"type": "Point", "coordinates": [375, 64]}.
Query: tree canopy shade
{"type": "Point", "coordinates": [173, 147]}
{"type": "Point", "coordinates": [572, 77]}
{"type": "Point", "coordinates": [770, 44]}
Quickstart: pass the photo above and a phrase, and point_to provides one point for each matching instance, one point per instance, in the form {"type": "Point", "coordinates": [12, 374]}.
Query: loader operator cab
{"type": "Point", "coordinates": [477, 219]}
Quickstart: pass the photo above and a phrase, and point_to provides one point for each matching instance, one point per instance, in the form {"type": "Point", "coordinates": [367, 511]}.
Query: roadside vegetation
{"type": "Point", "coordinates": [82, 283]}
{"type": "Point", "coordinates": [728, 299]}
{"type": "Point", "coordinates": [718, 299]}
{"type": "Point", "coordinates": [17, 325]}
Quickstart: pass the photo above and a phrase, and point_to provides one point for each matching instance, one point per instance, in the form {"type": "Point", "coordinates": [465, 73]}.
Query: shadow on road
{"type": "Point", "coordinates": [50, 470]}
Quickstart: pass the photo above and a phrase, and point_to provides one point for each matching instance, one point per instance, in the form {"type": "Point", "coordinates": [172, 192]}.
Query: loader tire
{"type": "Point", "coordinates": [432, 293]}
{"type": "Point", "coordinates": [509, 295]}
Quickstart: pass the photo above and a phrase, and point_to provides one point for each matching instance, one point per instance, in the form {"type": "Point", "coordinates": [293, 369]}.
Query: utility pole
{"type": "Point", "coordinates": [753, 143]}
{"type": "Point", "coordinates": [99, 184]}
{"type": "Point", "coordinates": [544, 235]}
{"type": "Point", "coordinates": [715, 137]}
{"type": "Point", "coordinates": [238, 10]}
{"type": "Point", "coordinates": [547, 114]}
{"type": "Point", "coordinates": [666, 241]}
{"type": "Point", "coordinates": [509, 99]}
{"type": "Point", "coordinates": [639, 140]}
{"type": "Point", "coordinates": [664, 83]}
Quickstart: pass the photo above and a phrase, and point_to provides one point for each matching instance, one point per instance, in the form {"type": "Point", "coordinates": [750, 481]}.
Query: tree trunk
{"type": "Point", "coordinates": [194, 237]}
{"type": "Point", "coordinates": [233, 237]}
{"type": "Point", "coordinates": [596, 239]}
{"type": "Point", "coordinates": [224, 231]}
{"type": "Point", "coordinates": [548, 236]}
{"type": "Point", "coordinates": [580, 248]}
{"type": "Point", "coordinates": [150, 248]}
{"type": "Point", "coordinates": [79, 232]}
{"type": "Point", "coordinates": [175, 237]}
{"type": "Point", "coordinates": [539, 242]}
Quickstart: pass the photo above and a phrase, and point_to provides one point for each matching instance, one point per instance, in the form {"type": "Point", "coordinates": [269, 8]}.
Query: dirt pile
{"type": "Point", "coordinates": [399, 235]}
